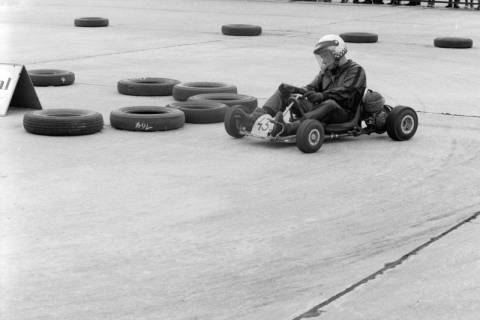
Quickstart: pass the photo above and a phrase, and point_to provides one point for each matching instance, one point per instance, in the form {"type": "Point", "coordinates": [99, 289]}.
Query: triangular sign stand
{"type": "Point", "coordinates": [16, 88]}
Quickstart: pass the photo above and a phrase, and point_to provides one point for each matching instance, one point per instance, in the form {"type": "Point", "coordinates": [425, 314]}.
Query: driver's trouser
{"type": "Point", "coordinates": [328, 111]}
{"type": "Point", "coordinates": [277, 102]}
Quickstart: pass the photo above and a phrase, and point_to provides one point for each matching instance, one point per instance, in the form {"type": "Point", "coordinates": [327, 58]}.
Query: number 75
{"type": "Point", "coordinates": [262, 126]}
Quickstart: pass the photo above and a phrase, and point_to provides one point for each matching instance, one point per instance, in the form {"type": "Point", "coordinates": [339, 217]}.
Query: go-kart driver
{"type": "Point", "coordinates": [332, 97]}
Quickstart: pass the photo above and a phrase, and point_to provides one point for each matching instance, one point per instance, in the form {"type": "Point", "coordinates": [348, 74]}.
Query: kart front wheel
{"type": "Point", "coordinates": [310, 136]}
{"type": "Point", "coordinates": [232, 121]}
{"type": "Point", "coordinates": [402, 123]}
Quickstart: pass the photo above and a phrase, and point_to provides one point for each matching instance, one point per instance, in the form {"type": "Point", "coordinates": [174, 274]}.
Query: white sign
{"type": "Point", "coordinates": [16, 88]}
{"type": "Point", "coordinates": [263, 126]}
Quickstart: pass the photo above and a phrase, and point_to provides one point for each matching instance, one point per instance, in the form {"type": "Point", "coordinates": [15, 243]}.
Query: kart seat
{"type": "Point", "coordinates": [345, 126]}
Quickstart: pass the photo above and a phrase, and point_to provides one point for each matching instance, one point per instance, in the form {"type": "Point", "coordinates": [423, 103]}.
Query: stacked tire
{"type": "Point", "coordinates": [146, 118]}
{"type": "Point", "coordinates": [198, 111]}
{"type": "Point", "coordinates": [147, 86]}
{"type": "Point", "coordinates": [230, 99]}
{"type": "Point", "coordinates": [183, 91]}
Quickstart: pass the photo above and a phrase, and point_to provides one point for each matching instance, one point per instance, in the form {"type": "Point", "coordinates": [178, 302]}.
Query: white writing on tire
{"type": "Point", "coordinates": [143, 126]}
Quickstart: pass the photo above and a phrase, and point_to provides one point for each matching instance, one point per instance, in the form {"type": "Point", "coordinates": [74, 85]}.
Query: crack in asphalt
{"type": "Point", "coordinates": [316, 310]}
{"type": "Point", "coordinates": [450, 114]}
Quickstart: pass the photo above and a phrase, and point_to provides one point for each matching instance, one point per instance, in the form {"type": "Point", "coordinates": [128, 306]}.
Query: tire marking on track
{"type": "Point", "coordinates": [316, 310]}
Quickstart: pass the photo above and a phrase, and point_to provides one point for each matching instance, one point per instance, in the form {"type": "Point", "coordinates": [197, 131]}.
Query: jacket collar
{"type": "Point", "coordinates": [340, 69]}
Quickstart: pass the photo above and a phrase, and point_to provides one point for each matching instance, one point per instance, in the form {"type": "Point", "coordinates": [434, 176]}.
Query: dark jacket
{"type": "Point", "coordinates": [344, 84]}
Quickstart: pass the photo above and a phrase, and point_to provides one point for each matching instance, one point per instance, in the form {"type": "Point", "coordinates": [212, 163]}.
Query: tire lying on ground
{"type": "Point", "coordinates": [183, 91]}
{"type": "Point", "coordinates": [63, 122]}
{"type": "Point", "coordinates": [51, 77]}
{"type": "Point", "coordinates": [91, 22]}
{"type": "Point", "coordinates": [198, 111]}
{"type": "Point", "coordinates": [147, 86]}
{"type": "Point", "coordinates": [453, 42]}
{"type": "Point", "coordinates": [146, 118]}
{"type": "Point", "coordinates": [359, 37]}
{"type": "Point", "coordinates": [230, 99]}
{"type": "Point", "coordinates": [241, 30]}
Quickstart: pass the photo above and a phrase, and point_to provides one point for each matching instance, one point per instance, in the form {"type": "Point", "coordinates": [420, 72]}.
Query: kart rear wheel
{"type": "Point", "coordinates": [402, 123]}
{"type": "Point", "coordinates": [232, 121]}
{"type": "Point", "coordinates": [310, 136]}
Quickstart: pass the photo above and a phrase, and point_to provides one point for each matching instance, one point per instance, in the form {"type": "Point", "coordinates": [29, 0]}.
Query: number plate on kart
{"type": "Point", "coordinates": [263, 126]}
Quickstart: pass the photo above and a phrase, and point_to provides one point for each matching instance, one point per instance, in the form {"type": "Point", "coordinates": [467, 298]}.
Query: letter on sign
{"type": "Point", "coordinates": [16, 88]}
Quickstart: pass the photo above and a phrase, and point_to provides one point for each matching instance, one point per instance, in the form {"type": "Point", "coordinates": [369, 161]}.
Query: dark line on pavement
{"type": "Point", "coordinates": [315, 311]}
{"type": "Point", "coordinates": [124, 52]}
{"type": "Point", "coordinates": [451, 114]}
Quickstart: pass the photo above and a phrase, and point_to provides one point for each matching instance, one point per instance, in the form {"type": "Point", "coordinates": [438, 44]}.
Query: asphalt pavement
{"type": "Point", "coordinates": [193, 224]}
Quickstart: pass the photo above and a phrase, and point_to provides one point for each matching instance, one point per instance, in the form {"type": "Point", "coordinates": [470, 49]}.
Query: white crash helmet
{"type": "Point", "coordinates": [333, 43]}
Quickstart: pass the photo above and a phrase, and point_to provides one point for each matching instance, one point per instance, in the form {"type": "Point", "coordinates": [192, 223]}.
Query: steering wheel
{"type": "Point", "coordinates": [298, 107]}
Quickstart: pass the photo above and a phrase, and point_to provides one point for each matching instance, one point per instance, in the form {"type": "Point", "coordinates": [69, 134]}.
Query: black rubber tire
{"type": "Point", "coordinates": [359, 37]}
{"type": "Point", "coordinates": [201, 111]}
{"type": "Point", "coordinates": [241, 30]}
{"type": "Point", "coordinates": [232, 125]}
{"type": "Point", "coordinates": [51, 77]}
{"type": "Point", "coordinates": [147, 86]}
{"type": "Point", "coordinates": [145, 118]}
{"type": "Point", "coordinates": [230, 99]}
{"type": "Point", "coordinates": [453, 42]}
{"type": "Point", "coordinates": [402, 123]}
{"type": "Point", "coordinates": [310, 136]}
{"type": "Point", "coordinates": [183, 91]}
{"type": "Point", "coordinates": [91, 22]}
{"type": "Point", "coordinates": [63, 122]}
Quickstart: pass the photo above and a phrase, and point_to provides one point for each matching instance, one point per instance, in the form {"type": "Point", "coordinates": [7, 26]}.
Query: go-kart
{"type": "Point", "coordinates": [400, 123]}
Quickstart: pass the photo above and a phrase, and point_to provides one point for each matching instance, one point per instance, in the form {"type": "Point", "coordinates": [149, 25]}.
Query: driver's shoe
{"type": "Point", "coordinates": [278, 125]}
{"type": "Point", "coordinates": [248, 119]}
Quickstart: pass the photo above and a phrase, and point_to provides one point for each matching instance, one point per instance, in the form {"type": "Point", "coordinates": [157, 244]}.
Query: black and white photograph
{"type": "Point", "coordinates": [239, 159]}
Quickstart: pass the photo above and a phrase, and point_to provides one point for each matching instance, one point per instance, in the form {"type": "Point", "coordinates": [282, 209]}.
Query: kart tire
{"type": "Point", "coordinates": [201, 111]}
{"type": "Point", "coordinates": [183, 91]}
{"type": "Point", "coordinates": [359, 37]}
{"type": "Point", "coordinates": [310, 136]}
{"type": "Point", "coordinates": [51, 77]}
{"type": "Point", "coordinates": [91, 22]}
{"type": "Point", "coordinates": [453, 42]}
{"type": "Point", "coordinates": [63, 122]}
{"type": "Point", "coordinates": [241, 30]}
{"type": "Point", "coordinates": [231, 121]}
{"type": "Point", "coordinates": [249, 103]}
{"type": "Point", "coordinates": [402, 123]}
{"type": "Point", "coordinates": [147, 86]}
{"type": "Point", "coordinates": [145, 118]}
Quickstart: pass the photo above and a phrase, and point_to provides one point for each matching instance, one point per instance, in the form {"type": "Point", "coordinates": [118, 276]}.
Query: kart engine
{"type": "Point", "coordinates": [377, 121]}
{"type": "Point", "coordinates": [375, 111]}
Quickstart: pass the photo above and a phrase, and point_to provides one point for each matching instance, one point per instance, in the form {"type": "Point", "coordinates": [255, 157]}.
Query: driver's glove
{"type": "Point", "coordinates": [314, 96]}
{"type": "Point", "coordinates": [286, 89]}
